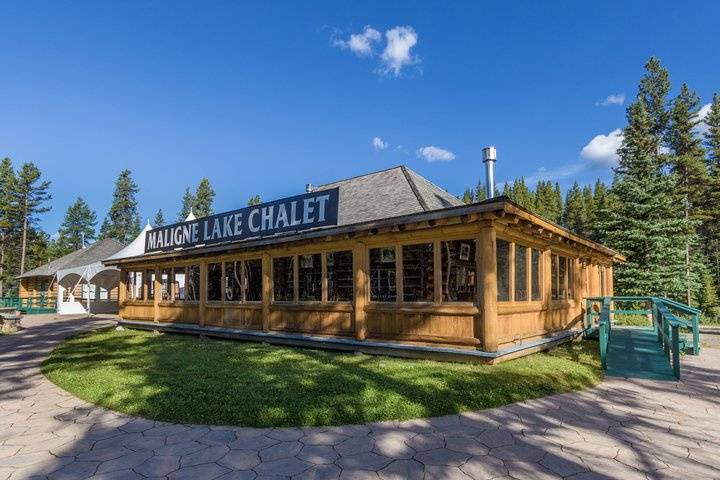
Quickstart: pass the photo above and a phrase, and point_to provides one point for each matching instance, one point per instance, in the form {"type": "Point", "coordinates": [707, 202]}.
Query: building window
{"type": "Point", "coordinates": [382, 274]}
{"type": "Point", "coordinates": [165, 275]}
{"type": "Point", "coordinates": [283, 279]}
{"type": "Point", "coordinates": [134, 285]}
{"type": "Point", "coordinates": [418, 273]}
{"type": "Point", "coordinates": [340, 276]}
{"type": "Point", "coordinates": [521, 273]}
{"type": "Point", "coordinates": [310, 277]}
{"type": "Point", "coordinates": [459, 270]}
{"type": "Point", "coordinates": [503, 270]}
{"type": "Point", "coordinates": [214, 282]}
{"type": "Point", "coordinates": [253, 280]}
{"type": "Point", "coordinates": [562, 277]}
{"type": "Point", "coordinates": [233, 281]}
{"type": "Point", "coordinates": [193, 283]}
{"type": "Point", "coordinates": [535, 281]}
{"type": "Point", "coordinates": [179, 283]}
{"type": "Point", "coordinates": [150, 279]}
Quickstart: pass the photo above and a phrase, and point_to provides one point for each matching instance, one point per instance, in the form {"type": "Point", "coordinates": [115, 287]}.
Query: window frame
{"type": "Point", "coordinates": [529, 270]}
{"type": "Point", "coordinates": [568, 279]}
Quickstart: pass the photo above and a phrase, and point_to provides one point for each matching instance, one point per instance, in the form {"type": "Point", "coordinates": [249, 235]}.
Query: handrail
{"type": "Point", "coordinates": [604, 326]}
{"type": "Point", "coordinates": [678, 305]}
{"type": "Point", "coordinates": [669, 335]}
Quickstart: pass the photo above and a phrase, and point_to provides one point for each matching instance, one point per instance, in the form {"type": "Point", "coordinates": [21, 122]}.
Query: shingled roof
{"type": "Point", "coordinates": [96, 252]}
{"type": "Point", "coordinates": [389, 193]}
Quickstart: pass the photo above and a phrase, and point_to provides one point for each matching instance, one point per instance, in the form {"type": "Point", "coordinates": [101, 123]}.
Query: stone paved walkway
{"type": "Point", "coordinates": [622, 430]}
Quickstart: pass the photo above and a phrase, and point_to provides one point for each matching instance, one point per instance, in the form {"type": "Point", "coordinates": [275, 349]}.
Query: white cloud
{"type": "Point", "coordinates": [564, 171]}
{"type": "Point", "coordinates": [397, 53]}
{"type": "Point", "coordinates": [435, 154]}
{"type": "Point", "coordinates": [361, 44]}
{"type": "Point", "coordinates": [702, 113]}
{"type": "Point", "coordinates": [379, 144]}
{"type": "Point", "coordinates": [612, 99]}
{"type": "Point", "coordinates": [603, 148]}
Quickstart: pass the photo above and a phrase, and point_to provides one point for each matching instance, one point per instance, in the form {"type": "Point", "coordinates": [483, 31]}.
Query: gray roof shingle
{"type": "Point", "coordinates": [389, 193]}
{"type": "Point", "coordinates": [99, 250]}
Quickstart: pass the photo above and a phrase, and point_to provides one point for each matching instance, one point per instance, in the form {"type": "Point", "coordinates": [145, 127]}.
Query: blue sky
{"type": "Point", "coordinates": [264, 97]}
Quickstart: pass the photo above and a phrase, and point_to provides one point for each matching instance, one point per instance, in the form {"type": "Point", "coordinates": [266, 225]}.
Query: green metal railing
{"type": "Point", "coordinates": [668, 318]}
{"type": "Point", "coordinates": [29, 305]}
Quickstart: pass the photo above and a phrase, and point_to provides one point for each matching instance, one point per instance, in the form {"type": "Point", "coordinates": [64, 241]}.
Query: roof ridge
{"type": "Point", "coordinates": [362, 175]}
{"type": "Point", "coordinates": [414, 188]}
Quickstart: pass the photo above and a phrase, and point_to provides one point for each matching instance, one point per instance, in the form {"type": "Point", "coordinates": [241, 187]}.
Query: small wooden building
{"type": "Point", "coordinates": [390, 263]}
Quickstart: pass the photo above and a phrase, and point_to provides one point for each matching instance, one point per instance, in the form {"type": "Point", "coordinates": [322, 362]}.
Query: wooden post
{"type": "Point", "coordinates": [266, 291]}
{"type": "Point", "coordinates": [437, 272]}
{"type": "Point", "coordinates": [157, 294]}
{"type": "Point", "coordinates": [203, 292]}
{"type": "Point", "coordinates": [122, 291]}
{"type": "Point", "coordinates": [361, 292]}
{"type": "Point", "coordinates": [324, 277]}
{"type": "Point", "coordinates": [547, 287]}
{"type": "Point", "coordinates": [485, 325]}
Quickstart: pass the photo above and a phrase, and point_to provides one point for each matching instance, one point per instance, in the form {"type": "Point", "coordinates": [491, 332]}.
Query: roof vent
{"type": "Point", "coordinates": [309, 188]}
{"type": "Point", "coordinates": [489, 159]}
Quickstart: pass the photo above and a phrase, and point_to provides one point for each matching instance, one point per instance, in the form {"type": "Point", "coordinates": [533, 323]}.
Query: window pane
{"type": "Point", "coordinates": [310, 277]}
{"type": "Point", "coordinates": [193, 283]}
{"type": "Point", "coordinates": [503, 270]}
{"type": "Point", "coordinates": [214, 282]}
{"type": "Point", "coordinates": [382, 274]}
{"type": "Point", "coordinates": [340, 276]}
{"type": "Point", "coordinates": [283, 279]}
{"type": "Point", "coordinates": [253, 280]}
{"type": "Point", "coordinates": [458, 270]}
{"type": "Point", "coordinates": [521, 274]}
{"type": "Point", "coordinates": [136, 286]}
{"type": "Point", "coordinates": [165, 283]}
{"type": "Point", "coordinates": [179, 283]}
{"type": "Point", "coordinates": [554, 276]}
{"type": "Point", "coordinates": [418, 278]}
{"type": "Point", "coordinates": [233, 281]}
{"type": "Point", "coordinates": [571, 274]}
{"type": "Point", "coordinates": [562, 278]}
{"type": "Point", "coordinates": [150, 280]}
{"type": "Point", "coordinates": [535, 275]}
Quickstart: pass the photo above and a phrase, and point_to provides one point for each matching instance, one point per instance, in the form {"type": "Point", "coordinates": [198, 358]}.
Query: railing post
{"type": "Point", "coordinates": [654, 315]}
{"type": "Point", "coordinates": [696, 334]}
{"type": "Point", "coordinates": [676, 350]}
{"type": "Point", "coordinates": [603, 330]}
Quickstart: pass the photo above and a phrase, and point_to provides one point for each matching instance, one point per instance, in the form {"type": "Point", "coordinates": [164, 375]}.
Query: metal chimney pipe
{"type": "Point", "coordinates": [489, 158]}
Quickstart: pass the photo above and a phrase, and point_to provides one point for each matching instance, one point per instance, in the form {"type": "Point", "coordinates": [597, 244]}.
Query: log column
{"type": "Point", "coordinates": [157, 294]}
{"type": "Point", "coordinates": [203, 293]}
{"type": "Point", "coordinates": [486, 322]}
{"type": "Point", "coordinates": [361, 294]}
{"type": "Point", "coordinates": [266, 291]}
{"type": "Point", "coordinates": [122, 291]}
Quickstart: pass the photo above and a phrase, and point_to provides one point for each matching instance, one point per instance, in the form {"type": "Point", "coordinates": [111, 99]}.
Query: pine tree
{"type": "Point", "coordinates": [159, 220]}
{"type": "Point", "coordinates": [602, 208]}
{"type": "Point", "coordinates": [123, 221]}
{"type": "Point", "coordinates": [188, 204]}
{"type": "Point", "coordinates": [653, 90]}
{"type": "Point", "coordinates": [574, 214]}
{"type": "Point", "coordinates": [204, 197]}
{"type": "Point", "coordinates": [646, 224]}
{"type": "Point", "coordinates": [8, 228]}
{"type": "Point", "coordinates": [480, 193]}
{"type": "Point", "coordinates": [467, 196]}
{"type": "Point", "coordinates": [522, 195]}
{"type": "Point", "coordinates": [254, 200]}
{"type": "Point", "coordinates": [32, 194]}
{"type": "Point", "coordinates": [77, 228]}
{"type": "Point", "coordinates": [711, 227]}
{"type": "Point", "coordinates": [687, 161]}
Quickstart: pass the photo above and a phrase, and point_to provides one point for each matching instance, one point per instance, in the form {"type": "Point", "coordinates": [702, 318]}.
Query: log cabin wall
{"type": "Point", "coordinates": [34, 287]}
{"type": "Point", "coordinates": [510, 284]}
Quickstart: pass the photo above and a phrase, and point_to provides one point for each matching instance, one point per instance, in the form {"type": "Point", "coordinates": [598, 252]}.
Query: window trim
{"type": "Point", "coordinates": [530, 246]}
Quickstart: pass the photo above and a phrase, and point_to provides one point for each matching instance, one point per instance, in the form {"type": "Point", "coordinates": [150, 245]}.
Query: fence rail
{"type": "Point", "coordinates": [29, 305]}
{"type": "Point", "coordinates": [666, 322]}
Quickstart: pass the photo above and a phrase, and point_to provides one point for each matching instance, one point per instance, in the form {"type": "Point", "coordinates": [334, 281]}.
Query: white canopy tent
{"type": "Point", "coordinates": [96, 274]}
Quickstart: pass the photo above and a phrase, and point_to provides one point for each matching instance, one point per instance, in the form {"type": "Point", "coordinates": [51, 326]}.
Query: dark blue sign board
{"type": "Point", "coordinates": [311, 210]}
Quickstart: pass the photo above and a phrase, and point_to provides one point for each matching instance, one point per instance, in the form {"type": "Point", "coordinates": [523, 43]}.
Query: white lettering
{"type": "Point", "coordinates": [227, 230]}
{"type": "Point", "coordinates": [206, 234]}
{"type": "Point", "coordinates": [322, 199]}
{"type": "Point", "coordinates": [294, 220]}
{"type": "Point", "coordinates": [267, 214]}
{"type": "Point", "coordinates": [238, 224]}
{"type": "Point", "coordinates": [177, 235]}
{"type": "Point", "coordinates": [195, 232]}
{"type": "Point", "coordinates": [281, 217]}
{"type": "Point", "coordinates": [255, 212]}
{"type": "Point", "coordinates": [307, 210]}
{"type": "Point", "coordinates": [159, 243]}
{"type": "Point", "coordinates": [186, 233]}
{"type": "Point", "coordinates": [216, 229]}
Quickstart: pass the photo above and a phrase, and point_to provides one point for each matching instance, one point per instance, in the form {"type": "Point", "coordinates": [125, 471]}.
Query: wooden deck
{"type": "Point", "coordinates": [636, 353]}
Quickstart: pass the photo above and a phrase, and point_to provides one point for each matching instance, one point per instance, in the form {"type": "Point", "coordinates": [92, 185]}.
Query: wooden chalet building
{"type": "Point", "coordinates": [382, 263]}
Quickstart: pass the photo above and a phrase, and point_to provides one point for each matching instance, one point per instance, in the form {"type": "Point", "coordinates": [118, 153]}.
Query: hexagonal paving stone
{"type": "Point", "coordinates": [466, 445]}
{"type": "Point", "coordinates": [484, 467]}
{"type": "Point", "coordinates": [207, 455]}
{"type": "Point", "coordinates": [207, 471]}
{"type": "Point", "coordinates": [117, 475]}
{"type": "Point", "coordinates": [240, 459]}
{"type": "Point", "coordinates": [323, 438]}
{"type": "Point", "coordinates": [128, 461]}
{"type": "Point", "coordinates": [284, 466]}
{"type": "Point", "coordinates": [158, 466]}
{"type": "Point", "coordinates": [426, 441]}
{"type": "Point", "coordinates": [442, 456]}
{"type": "Point", "coordinates": [320, 472]}
{"type": "Point", "coordinates": [355, 445]}
{"type": "Point", "coordinates": [286, 434]}
{"type": "Point", "coordinates": [496, 438]}
{"type": "Point", "coordinates": [363, 461]}
{"type": "Point", "coordinates": [445, 472]}
{"type": "Point", "coordinates": [75, 470]}
{"type": "Point", "coordinates": [218, 437]}
{"type": "Point", "coordinates": [318, 454]}
{"type": "Point", "coordinates": [518, 453]}
{"type": "Point", "coordinates": [403, 470]}
{"type": "Point", "coordinates": [392, 445]}
{"type": "Point", "coordinates": [238, 475]}
{"type": "Point", "coordinates": [280, 450]}
{"type": "Point", "coordinates": [253, 443]}
{"type": "Point", "coordinates": [563, 464]}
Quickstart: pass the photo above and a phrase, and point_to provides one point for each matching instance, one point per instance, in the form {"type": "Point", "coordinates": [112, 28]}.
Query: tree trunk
{"type": "Point", "coordinates": [2, 266]}
{"type": "Point", "coordinates": [24, 240]}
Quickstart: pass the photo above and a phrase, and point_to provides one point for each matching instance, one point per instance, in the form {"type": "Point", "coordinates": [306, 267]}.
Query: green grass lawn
{"type": "Point", "coordinates": [190, 379]}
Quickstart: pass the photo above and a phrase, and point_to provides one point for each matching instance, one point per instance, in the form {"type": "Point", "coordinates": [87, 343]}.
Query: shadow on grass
{"type": "Point", "coordinates": [194, 380]}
